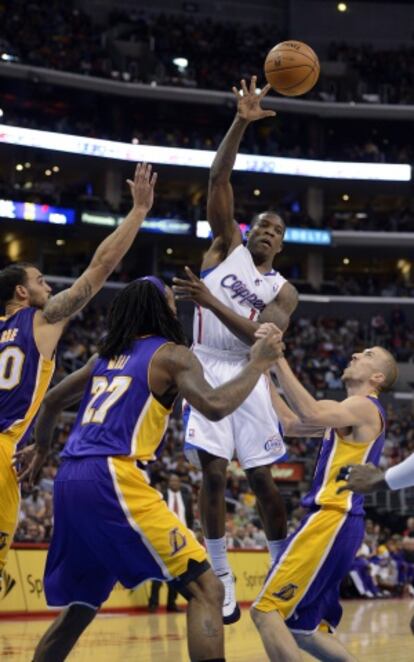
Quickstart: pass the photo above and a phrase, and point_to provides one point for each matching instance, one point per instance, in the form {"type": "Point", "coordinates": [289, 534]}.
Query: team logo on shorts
{"type": "Point", "coordinates": [274, 444]}
{"type": "Point", "coordinates": [3, 539]}
{"type": "Point", "coordinates": [287, 592]}
{"type": "Point", "coordinates": [177, 541]}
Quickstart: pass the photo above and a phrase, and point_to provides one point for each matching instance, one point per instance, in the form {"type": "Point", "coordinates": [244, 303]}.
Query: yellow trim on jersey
{"type": "Point", "coordinates": [298, 566]}
{"type": "Point", "coordinates": [169, 542]}
{"type": "Point", "coordinates": [149, 429]}
{"type": "Point", "coordinates": [343, 452]}
{"type": "Point", "coordinates": [45, 368]}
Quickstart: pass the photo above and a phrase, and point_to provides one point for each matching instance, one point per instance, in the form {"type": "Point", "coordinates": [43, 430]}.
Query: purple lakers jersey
{"type": "Point", "coordinates": [118, 414]}
{"type": "Point", "coordinates": [335, 453]}
{"type": "Point", "coordinates": [24, 376]}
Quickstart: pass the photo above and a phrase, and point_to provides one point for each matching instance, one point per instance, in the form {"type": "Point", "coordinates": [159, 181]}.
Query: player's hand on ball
{"type": "Point", "coordinates": [192, 289]}
{"type": "Point", "coordinates": [249, 102]}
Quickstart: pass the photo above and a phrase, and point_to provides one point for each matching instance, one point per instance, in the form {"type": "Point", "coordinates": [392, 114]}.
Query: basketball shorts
{"type": "Point", "coordinates": [9, 497]}
{"type": "Point", "coordinates": [110, 525]}
{"type": "Point", "coordinates": [303, 584]}
{"type": "Point", "coordinates": [252, 433]}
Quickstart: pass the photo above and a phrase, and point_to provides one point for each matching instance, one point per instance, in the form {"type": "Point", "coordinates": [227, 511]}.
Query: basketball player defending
{"type": "Point", "coordinates": [109, 524]}
{"type": "Point", "coordinates": [301, 592]}
{"type": "Point", "coordinates": [245, 291]}
{"type": "Point", "coordinates": [29, 332]}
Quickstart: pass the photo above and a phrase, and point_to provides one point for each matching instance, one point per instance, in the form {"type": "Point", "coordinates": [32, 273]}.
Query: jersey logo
{"type": "Point", "coordinates": [241, 292]}
{"type": "Point", "coordinates": [287, 592]}
{"type": "Point", "coordinates": [3, 539]}
{"type": "Point", "coordinates": [274, 444]}
{"type": "Point", "coordinates": [6, 584]}
{"type": "Point", "coordinates": [177, 541]}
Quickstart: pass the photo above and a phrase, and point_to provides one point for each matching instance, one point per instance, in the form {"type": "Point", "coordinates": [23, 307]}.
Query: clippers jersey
{"type": "Point", "coordinates": [118, 414]}
{"type": "Point", "coordinates": [335, 453]}
{"type": "Point", "coordinates": [24, 376]}
{"type": "Point", "coordinates": [238, 284]}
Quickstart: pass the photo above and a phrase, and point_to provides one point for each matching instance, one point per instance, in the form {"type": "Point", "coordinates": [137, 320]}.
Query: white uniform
{"type": "Point", "coordinates": [252, 432]}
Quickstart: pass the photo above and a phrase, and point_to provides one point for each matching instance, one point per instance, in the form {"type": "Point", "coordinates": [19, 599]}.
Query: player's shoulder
{"type": "Point", "coordinates": [362, 405]}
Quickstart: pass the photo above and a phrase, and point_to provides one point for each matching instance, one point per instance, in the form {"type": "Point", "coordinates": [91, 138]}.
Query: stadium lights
{"type": "Point", "coordinates": [1, 112]}
{"type": "Point", "coordinates": [342, 7]}
{"type": "Point", "coordinates": [169, 251]}
{"type": "Point", "coordinates": [180, 62]}
{"type": "Point", "coordinates": [56, 169]}
{"type": "Point", "coordinates": [345, 197]}
{"type": "Point", "coordinates": [200, 158]}
{"type": "Point", "coordinates": [256, 192]}
{"type": "Point", "coordinates": [6, 57]}
{"type": "Point", "coordinates": [48, 172]}
{"type": "Point", "coordinates": [27, 164]}
{"type": "Point", "coordinates": [19, 167]}
{"type": "Point", "coordinates": [346, 260]}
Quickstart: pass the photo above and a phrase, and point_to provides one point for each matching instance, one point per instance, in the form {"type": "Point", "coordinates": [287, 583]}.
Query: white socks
{"type": "Point", "coordinates": [217, 552]}
{"type": "Point", "coordinates": [274, 547]}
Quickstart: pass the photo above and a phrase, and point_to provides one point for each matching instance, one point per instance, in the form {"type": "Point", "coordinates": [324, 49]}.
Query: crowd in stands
{"type": "Point", "coordinates": [138, 46]}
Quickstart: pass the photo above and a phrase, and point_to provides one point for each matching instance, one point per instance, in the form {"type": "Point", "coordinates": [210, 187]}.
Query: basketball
{"type": "Point", "coordinates": [292, 68]}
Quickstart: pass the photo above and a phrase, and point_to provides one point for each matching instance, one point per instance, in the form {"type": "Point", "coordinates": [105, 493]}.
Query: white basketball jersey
{"type": "Point", "coordinates": [238, 284]}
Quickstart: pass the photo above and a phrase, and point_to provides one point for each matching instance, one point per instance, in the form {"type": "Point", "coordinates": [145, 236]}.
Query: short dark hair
{"type": "Point", "coordinates": [390, 371]}
{"type": "Point", "coordinates": [139, 310]}
{"type": "Point", "coordinates": [268, 212]}
{"type": "Point", "coordinates": [11, 276]}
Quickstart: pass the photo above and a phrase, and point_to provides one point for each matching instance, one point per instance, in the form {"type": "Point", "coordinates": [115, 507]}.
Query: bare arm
{"type": "Point", "coordinates": [187, 373]}
{"type": "Point", "coordinates": [68, 392]}
{"type": "Point", "coordinates": [278, 311]}
{"type": "Point", "coordinates": [354, 411]}
{"type": "Point", "coordinates": [65, 394]}
{"type": "Point", "coordinates": [220, 202]}
{"type": "Point", "coordinates": [50, 321]}
{"type": "Point", "coordinates": [291, 424]}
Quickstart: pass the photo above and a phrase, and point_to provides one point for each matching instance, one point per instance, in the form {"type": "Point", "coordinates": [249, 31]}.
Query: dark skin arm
{"type": "Point", "coordinates": [220, 200]}
{"type": "Point", "coordinates": [65, 394]}
{"type": "Point", "coordinates": [278, 311]}
{"type": "Point", "coordinates": [176, 367]}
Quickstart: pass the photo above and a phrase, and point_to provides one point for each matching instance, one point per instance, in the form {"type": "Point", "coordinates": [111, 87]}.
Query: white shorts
{"type": "Point", "coordinates": [252, 433]}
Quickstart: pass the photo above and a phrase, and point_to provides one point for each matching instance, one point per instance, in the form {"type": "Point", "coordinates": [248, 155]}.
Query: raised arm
{"type": "Point", "coordinates": [220, 202]}
{"type": "Point", "coordinates": [49, 322]}
{"type": "Point", "coordinates": [354, 411]}
{"type": "Point", "coordinates": [278, 311]}
{"type": "Point", "coordinates": [68, 392]}
{"type": "Point", "coordinates": [187, 374]}
{"type": "Point", "coordinates": [291, 423]}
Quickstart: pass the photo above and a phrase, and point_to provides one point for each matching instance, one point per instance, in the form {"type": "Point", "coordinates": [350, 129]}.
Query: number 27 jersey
{"type": "Point", "coordinates": [118, 414]}
{"type": "Point", "coordinates": [24, 376]}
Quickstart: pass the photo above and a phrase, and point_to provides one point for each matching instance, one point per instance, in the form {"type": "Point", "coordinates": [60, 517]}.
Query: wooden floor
{"type": "Point", "coordinates": [372, 631]}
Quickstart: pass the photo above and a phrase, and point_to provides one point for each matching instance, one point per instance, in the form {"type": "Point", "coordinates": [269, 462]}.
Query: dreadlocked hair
{"type": "Point", "coordinates": [139, 310]}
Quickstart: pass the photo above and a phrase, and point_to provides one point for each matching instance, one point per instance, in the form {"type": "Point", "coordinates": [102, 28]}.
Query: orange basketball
{"type": "Point", "coordinates": [292, 68]}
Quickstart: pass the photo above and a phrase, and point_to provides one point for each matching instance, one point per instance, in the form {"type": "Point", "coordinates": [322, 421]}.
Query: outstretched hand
{"type": "Point", "coordinates": [193, 289]}
{"type": "Point", "coordinates": [142, 187]}
{"type": "Point", "coordinates": [249, 101]}
{"type": "Point", "coordinates": [360, 478]}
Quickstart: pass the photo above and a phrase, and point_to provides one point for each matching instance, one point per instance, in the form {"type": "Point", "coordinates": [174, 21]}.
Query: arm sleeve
{"type": "Point", "coordinates": [402, 475]}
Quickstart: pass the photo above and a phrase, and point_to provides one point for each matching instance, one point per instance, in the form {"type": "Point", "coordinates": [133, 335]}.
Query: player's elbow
{"type": "Point", "coordinates": [214, 410]}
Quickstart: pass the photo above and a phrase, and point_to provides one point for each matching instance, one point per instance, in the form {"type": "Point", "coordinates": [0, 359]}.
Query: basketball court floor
{"type": "Point", "coordinates": [374, 631]}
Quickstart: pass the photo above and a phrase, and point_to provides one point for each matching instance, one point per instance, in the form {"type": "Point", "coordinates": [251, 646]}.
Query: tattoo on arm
{"type": "Point", "coordinates": [67, 303]}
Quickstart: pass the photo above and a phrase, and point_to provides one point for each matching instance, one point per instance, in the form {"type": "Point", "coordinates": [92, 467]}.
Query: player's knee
{"type": "Point", "coordinates": [261, 481]}
{"type": "Point", "coordinates": [209, 589]}
{"type": "Point", "coordinates": [214, 480]}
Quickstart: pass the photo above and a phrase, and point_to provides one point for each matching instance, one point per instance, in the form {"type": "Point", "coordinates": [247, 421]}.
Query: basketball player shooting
{"type": "Point", "coordinates": [239, 290]}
